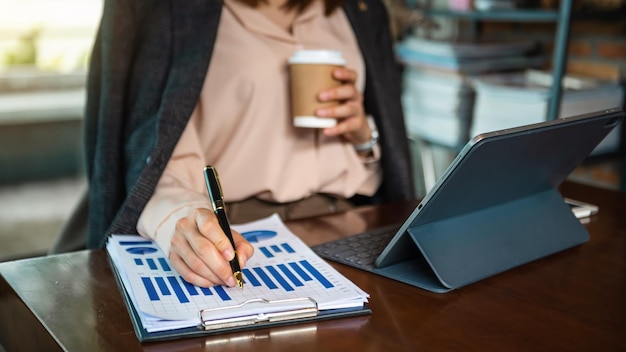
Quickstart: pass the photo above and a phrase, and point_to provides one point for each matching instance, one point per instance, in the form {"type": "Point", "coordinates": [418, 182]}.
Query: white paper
{"type": "Point", "coordinates": [282, 268]}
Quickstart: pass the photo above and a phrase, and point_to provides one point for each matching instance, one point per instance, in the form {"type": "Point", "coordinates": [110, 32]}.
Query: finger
{"type": "Point", "coordinates": [354, 129]}
{"type": "Point", "coordinates": [189, 265]}
{"type": "Point", "coordinates": [345, 75]}
{"type": "Point", "coordinates": [342, 111]}
{"type": "Point", "coordinates": [350, 116]}
{"type": "Point", "coordinates": [244, 248]}
{"type": "Point", "coordinates": [210, 228]}
{"type": "Point", "coordinates": [188, 274]}
{"type": "Point", "coordinates": [343, 127]}
{"type": "Point", "coordinates": [342, 92]}
{"type": "Point", "coordinates": [199, 253]}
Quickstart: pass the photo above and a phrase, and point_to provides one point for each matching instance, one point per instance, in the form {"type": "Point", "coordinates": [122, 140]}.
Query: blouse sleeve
{"type": "Point", "coordinates": [180, 190]}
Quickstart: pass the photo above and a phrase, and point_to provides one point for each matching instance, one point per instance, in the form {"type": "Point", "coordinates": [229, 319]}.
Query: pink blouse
{"type": "Point", "coordinates": [242, 123]}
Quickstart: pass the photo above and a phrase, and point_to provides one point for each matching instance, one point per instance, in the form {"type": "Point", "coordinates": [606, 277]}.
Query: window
{"type": "Point", "coordinates": [44, 50]}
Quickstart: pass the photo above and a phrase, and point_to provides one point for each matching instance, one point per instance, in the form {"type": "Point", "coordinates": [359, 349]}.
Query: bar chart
{"type": "Point", "coordinates": [286, 277]}
{"type": "Point", "coordinates": [282, 268]}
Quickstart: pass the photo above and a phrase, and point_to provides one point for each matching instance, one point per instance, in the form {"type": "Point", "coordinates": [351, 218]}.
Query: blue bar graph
{"type": "Point", "coordinates": [266, 252]}
{"type": "Point", "coordinates": [164, 264]}
{"type": "Point", "coordinates": [135, 243]}
{"type": "Point", "coordinates": [266, 279]}
{"type": "Point", "coordinates": [151, 264]}
{"type": "Point", "coordinates": [300, 271]}
{"type": "Point", "coordinates": [316, 274]}
{"type": "Point", "coordinates": [290, 275]}
{"type": "Point", "coordinates": [178, 291]}
{"type": "Point", "coordinates": [288, 248]}
{"type": "Point", "coordinates": [165, 285]}
{"type": "Point", "coordinates": [275, 249]}
{"type": "Point", "coordinates": [152, 294]}
{"type": "Point", "coordinates": [281, 280]}
{"type": "Point", "coordinates": [283, 276]}
{"type": "Point", "coordinates": [222, 293]}
{"type": "Point", "coordinates": [190, 288]}
{"type": "Point", "coordinates": [250, 278]}
{"type": "Point", "coordinates": [165, 291]}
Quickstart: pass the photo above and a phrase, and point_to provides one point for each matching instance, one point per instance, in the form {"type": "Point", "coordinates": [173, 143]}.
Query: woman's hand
{"type": "Point", "coordinates": [200, 251]}
{"type": "Point", "coordinates": [350, 114]}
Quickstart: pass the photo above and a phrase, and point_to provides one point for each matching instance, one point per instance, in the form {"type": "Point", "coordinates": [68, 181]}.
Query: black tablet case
{"type": "Point", "coordinates": [496, 207]}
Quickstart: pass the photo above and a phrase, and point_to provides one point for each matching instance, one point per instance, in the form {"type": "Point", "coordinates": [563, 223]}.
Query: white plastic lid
{"type": "Point", "coordinates": [332, 57]}
{"type": "Point", "coordinates": [313, 122]}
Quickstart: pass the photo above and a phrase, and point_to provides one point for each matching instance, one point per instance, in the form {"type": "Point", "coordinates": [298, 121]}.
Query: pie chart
{"type": "Point", "coordinates": [141, 250]}
{"type": "Point", "coordinates": [258, 235]}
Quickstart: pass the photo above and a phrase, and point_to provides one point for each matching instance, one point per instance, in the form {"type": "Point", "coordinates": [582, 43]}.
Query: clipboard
{"type": "Point", "coordinates": [286, 283]}
{"type": "Point", "coordinates": [207, 327]}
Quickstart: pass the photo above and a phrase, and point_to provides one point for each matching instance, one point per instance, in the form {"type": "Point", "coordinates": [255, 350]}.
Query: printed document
{"type": "Point", "coordinates": [282, 269]}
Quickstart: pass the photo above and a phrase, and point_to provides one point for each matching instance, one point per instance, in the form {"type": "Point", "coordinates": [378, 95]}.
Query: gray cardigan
{"type": "Point", "coordinates": [148, 66]}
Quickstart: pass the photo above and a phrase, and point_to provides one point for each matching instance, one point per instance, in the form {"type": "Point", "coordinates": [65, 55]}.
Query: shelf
{"type": "Point", "coordinates": [498, 15]}
{"type": "Point", "coordinates": [562, 19]}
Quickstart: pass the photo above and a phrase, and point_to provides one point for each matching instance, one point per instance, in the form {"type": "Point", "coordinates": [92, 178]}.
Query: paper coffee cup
{"type": "Point", "coordinates": [310, 73]}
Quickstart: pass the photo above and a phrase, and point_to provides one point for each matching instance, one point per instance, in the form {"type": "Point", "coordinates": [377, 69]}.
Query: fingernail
{"type": "Point", "coordinates": [323, 96]}
{"type": "Point", "coordinates": [322, 113]}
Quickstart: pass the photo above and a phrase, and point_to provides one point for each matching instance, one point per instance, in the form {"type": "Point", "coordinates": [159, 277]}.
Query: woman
{"type": "Point", "coordinates": [176, 85]}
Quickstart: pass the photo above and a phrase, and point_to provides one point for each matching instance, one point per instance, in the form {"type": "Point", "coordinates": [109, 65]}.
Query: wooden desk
{"type": "Point", "coordinates": [573, 300]}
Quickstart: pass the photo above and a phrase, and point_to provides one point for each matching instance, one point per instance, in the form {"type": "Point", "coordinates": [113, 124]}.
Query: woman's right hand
{"type": "Point", "coordinates": [200, 251]}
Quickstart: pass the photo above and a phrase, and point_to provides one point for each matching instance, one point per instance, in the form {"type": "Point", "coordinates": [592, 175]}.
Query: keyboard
{"type": "Point", "coordinates": [360, 250]}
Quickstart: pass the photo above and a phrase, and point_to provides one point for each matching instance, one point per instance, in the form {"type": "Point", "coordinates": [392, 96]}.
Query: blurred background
{"type": "Point", "coordinates": [44, 49]}
{"type": "Point", "coordinates": [461, 59]}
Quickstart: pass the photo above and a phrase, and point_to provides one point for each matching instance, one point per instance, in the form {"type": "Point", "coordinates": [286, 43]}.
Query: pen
{"type": "Point", "coordinates": [217, 200]}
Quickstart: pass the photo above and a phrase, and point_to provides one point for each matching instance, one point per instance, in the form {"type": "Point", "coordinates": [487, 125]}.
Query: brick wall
{"type": "Point", "coordinates": [598, 48]}
{"type": "Point", "coordinates": [597, 44]}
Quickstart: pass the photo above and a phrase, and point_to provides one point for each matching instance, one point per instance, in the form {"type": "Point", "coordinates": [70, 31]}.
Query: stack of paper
{"type": "Point", "coordinates": [438, 96]}
{"type": "Point", "coordinates": [437, 106]}
{"type": "Point", "coordinates": [513, 99]}
{"type": "Point", "coordinates": [469, 57]}
{"type": "Point", "coordinates": [283, 269]}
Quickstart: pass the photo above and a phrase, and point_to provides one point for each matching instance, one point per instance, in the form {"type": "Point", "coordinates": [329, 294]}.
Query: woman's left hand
{"type": "Point", "coordinates": [350, 114]}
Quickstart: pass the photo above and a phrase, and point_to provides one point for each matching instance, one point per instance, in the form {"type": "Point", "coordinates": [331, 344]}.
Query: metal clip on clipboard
{"type": "Point", "coordinates": [257, 311]}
